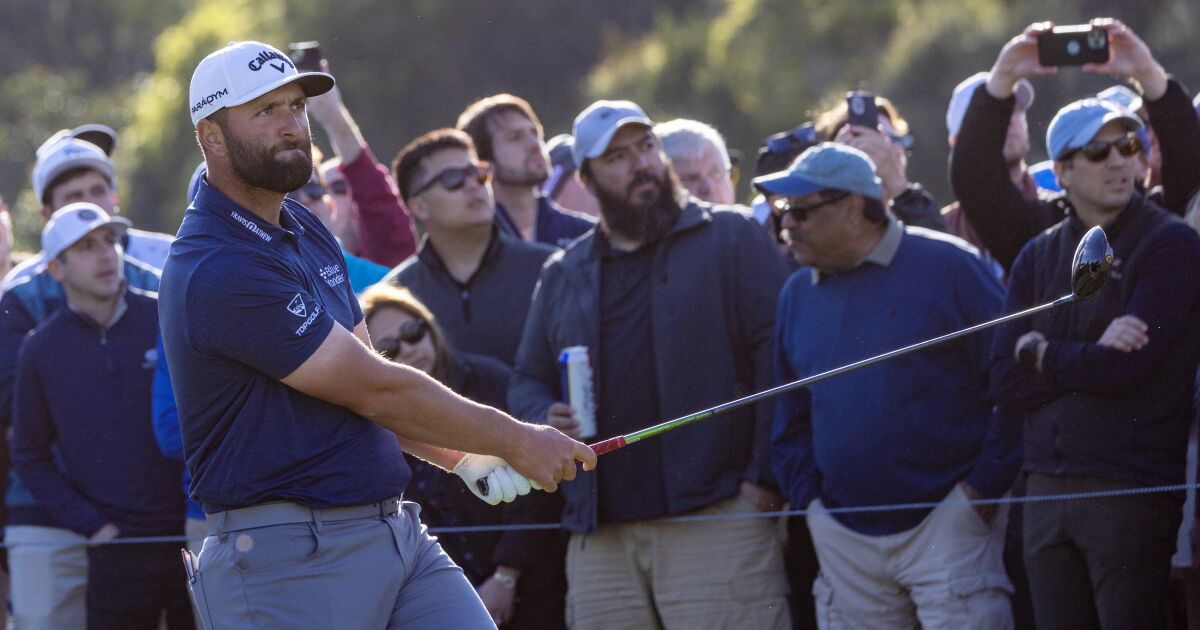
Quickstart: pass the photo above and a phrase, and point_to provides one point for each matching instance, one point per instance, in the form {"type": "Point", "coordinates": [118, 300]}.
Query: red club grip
{"type": "Point", "coordinates": [611, 444]}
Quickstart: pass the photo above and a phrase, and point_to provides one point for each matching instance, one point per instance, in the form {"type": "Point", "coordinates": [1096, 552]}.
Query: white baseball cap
{"type": "Point", "coordinates": [65, 154]}
{"type": "Point", "coordinates": [965, 90]}
{"type": "Point", "coordinates": [242, 72]}
{"type": "Point", "coordinates": [73, 222]}
{"type": "Point", "coordinates": [102, 136]}
{"type": "Point", "coordinates": [595, 126]}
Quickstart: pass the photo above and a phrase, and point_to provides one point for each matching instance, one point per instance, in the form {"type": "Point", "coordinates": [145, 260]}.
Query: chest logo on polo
{"type": "Point", "coordinates": [332, 275]}
{"type": "Point", "coordinates": [296, 307]}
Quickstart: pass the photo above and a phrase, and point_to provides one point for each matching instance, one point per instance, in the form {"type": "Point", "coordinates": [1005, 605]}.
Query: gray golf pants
{"type": "Point", "coordinates": [283, 565]}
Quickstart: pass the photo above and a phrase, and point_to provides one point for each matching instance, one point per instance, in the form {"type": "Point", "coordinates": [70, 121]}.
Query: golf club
{"type": "Point", "coordinates": [1089, 267]}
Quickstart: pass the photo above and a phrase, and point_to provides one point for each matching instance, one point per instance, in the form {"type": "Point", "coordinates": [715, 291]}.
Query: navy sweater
{"type": "Point", "coordinates": [1096, 411]}
{"type": "Point", "coordinates": [85, 392]}
{"type": "Point", "coordinates": [905, 430]}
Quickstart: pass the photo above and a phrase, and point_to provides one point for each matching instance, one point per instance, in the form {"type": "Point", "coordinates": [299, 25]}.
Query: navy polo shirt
{"type": "Point", "coordinates": [243, 304]}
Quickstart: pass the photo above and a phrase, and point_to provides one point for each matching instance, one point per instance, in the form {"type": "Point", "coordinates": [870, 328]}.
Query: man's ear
{"type": "Point", "coordinates": [1062, 172]}
{"type": "Point", "coordinates": [416, 205]}
{"type": "Point", "coordinates": [585, 181]}
{"type": "Point", "coordinates": [211, 138]}
{"type": "Point", "coordinates": [55, 269]}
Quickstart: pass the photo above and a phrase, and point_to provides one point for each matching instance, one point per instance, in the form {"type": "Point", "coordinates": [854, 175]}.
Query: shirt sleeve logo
{"type": "Point", "coordinates": [296, 307]}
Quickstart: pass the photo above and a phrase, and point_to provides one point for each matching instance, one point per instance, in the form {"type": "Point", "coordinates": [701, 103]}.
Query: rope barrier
{"type": "Point", "coordinates": [739, 516]}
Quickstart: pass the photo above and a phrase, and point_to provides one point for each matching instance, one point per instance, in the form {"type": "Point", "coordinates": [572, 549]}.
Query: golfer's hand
{"type": "Point", "coordinates": [561, 416]}
{"type": "Point", "coordinates": [1126, 333]}
{"type": "Point", "coordinates": [501, 481]}
{"type": "Point", "coordinates": [546, 456]}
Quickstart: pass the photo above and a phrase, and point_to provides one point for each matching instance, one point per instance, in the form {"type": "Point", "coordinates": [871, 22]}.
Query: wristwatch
{"type": "Point", "coordinates": [507, 581]}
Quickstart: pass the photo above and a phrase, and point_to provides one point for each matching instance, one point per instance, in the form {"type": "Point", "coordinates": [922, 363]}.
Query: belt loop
{"type": "Point", "coordinates": [318, 522]}
{"type": "Point", "coordinates": [221, 534]}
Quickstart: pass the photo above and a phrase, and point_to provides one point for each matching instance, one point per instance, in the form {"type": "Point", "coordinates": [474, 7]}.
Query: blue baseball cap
{"type": "Point", "coordinates": [827, 166]}
{"type": "Point", "coordinates": [1076, 124]}
{"type": "Point", "coordinates": [595, 127]}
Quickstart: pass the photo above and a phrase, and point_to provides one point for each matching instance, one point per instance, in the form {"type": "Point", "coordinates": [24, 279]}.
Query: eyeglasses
{"type": "Point", "coordinates": [411, 333]}
{"type": "Point", "coordinates": [803, 136]}
{"type": "Point", "coordinates": [800, 213]}
{"type": "Point", "coordinates": [454, 178]}
{"type": "Point", "coordinates": [1127, 145]}
{"type": "Point", "coordinates": [339, 187]}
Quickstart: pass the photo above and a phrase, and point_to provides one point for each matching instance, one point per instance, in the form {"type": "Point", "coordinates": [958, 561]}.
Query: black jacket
{"type": "Point", "coordinates": [716, 278]}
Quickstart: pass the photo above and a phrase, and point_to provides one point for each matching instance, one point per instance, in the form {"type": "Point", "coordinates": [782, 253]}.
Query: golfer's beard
{"type": "Point", "coordinates": [642, 222]}
{"type": "Point", "coordinates": [259, 167]}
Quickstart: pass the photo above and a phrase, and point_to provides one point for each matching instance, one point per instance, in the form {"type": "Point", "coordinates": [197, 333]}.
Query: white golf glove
{"type": "Point", "coordinates": [500, 482]}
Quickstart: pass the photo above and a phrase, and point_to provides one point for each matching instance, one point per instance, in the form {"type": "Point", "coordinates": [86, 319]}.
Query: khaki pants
{"type": "Point", "coordinates": [655, 574]}
{"type": "Point", "coordinates": [49, 567]}
{"type": "Point", "coordinates": [947, 572]}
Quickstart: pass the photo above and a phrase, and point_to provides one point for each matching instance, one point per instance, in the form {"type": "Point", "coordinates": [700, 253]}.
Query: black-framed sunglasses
{"type": "Point", "coordinates": [312, 190]}
{"type": "Point", "coordinates": [411, 333]}
{"type": "Point", "coordinates": [800, 213]}
{"type": "Point", "coordinates": [339, 187]}
{"type": "Point", "coordinates": [803, 136]}
{"type": "Point", "coordinates": [1127, 145]}
{"type": "Point", "coordinates": [454, 178]}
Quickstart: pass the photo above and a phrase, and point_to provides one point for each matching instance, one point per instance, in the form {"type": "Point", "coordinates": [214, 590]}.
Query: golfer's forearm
{"type": "Point", "coordinates": [443, 458]}
{"type": "Point", "coordinates": [418, 408]}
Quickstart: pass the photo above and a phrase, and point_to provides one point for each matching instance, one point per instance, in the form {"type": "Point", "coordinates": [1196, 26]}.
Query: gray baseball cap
{"type": "Point", "coordinates": [595, 126]}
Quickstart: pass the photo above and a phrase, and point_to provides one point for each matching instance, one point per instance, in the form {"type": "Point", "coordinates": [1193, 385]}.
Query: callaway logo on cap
{"type": "Point", "coordinates": [242, 72]}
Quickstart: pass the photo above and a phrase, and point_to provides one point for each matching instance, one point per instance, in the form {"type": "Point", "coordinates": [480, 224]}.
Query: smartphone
{"type": "Point", "coordinates": [861, 111]}
{"type": "Point", "coordinates": [1073, 46]}
{"type": "Point", "coordinates": [306, 56]}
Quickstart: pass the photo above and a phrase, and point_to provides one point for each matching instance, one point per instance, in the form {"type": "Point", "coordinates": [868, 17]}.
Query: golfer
{"type": "Point", "coordinates": [289, 420]}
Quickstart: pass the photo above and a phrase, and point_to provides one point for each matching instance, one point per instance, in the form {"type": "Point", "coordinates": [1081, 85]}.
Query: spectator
{"type": "Point", "coordinates": [887, 145]}
{"type": "Point", "coordinates": [849, 442]}
{"type": "Point", "coordinates": [1150, 174]}
{"type": "Point", "coordinates": [776, 153]}
{"type": "Point", "coordinates": [507, 133]}
{"type": "Point", "coordinates": [113, 482]}
{"type": "Point", "coordinates": [563, 187]}
{"type": "Point", "coordinates": [474, 280]}
{"type": "Point", "coordinates": [1016, 146]}
{"type": "Point", "coordinates": [70, 169]}
{"type": "Point", "coordinates": [999, 211]}
{"type": "Point", "coordinates": [519, 575]}
{"type": "Point", "coordinates": [49, 562]}
{"type": "Point", "coordinates": [336, 216]}
{"type": "Point", "coordinates": [1105, 387]}
{"type": "Point", "coordinates": [629, 293]}
{"type": "Point", "coordinates": [382, 227]}
{"type": "Point", "coordinates": [698, 155]}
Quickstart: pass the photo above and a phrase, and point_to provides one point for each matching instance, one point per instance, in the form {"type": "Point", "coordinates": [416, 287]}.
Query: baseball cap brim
{"type": "Point", "coordinates": [601, 145]}
{"type": "Point", "coordinates": [786, 183]}
{"type": "Point", "coordinates": [311, 83]}
{"type": "Point", "coordinates": [120, 224]}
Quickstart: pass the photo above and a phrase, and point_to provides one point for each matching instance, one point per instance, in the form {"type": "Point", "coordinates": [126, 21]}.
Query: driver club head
{"type": "Point", "coordinates": [1089, 268]}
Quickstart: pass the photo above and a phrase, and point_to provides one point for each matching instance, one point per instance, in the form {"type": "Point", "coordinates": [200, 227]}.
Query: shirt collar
{"type": "Point", "coordinates": [884, 251]}
{"type": "Point", "coordinates": [118, 312]}
{"type": "Point", "coordinates": [246, 223]}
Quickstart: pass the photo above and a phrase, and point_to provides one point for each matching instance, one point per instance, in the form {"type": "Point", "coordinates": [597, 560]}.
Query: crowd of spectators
{"type": "Point", "coordinates": [483, 251]}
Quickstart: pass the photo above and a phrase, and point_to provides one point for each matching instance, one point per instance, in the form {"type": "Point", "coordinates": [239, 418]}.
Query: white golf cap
{"type": "Point", "coordinates": [242, 72]}
{"type": "Point", "coordinates": [965, 90]}
{"type": "Point", "coordinates": [73, 222]}
{"type": "Point", "coordinates": [595, 126]}
{"type": "Point", "coordinates": [102, 136]}
{"type": "Point", "coordinates": [65, 154]}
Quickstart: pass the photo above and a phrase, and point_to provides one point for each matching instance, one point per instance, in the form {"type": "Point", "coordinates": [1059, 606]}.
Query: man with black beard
{"type": "Point", "coordinates": [291, 424]}
{"type": "Point", "coordinates": [675, 300]}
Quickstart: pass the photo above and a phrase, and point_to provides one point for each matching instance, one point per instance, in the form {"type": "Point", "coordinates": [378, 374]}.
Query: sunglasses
{"type": "Point", "coordinates": [803, 136]}
{"type": "Point", "coordinates": [800, 213]}
{"type": "Point", "coordinates": [454, 178]}
{"type": "Point", "coordinates": [411, 333]}
{"type": "Point", "coordinates": [1127, 145]}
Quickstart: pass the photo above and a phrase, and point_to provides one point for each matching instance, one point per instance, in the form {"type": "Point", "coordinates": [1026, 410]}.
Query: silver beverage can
{"type": "Point", "coordinates": [575, 370]}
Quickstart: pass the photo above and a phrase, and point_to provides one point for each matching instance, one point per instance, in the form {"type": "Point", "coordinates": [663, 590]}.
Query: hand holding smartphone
{"type": "Point", "coordinates": [306, 56]}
